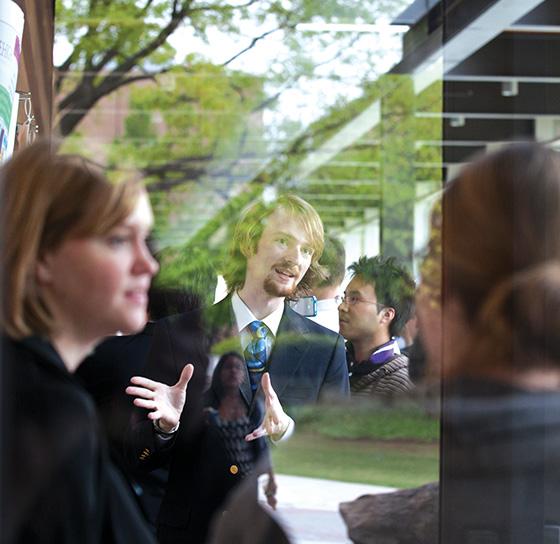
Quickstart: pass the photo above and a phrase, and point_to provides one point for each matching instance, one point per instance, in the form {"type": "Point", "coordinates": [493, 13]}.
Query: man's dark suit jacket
{"type": "Point", "coordinates": [105, 374]}
{"type": "Point", "coordinates": [307, 362]}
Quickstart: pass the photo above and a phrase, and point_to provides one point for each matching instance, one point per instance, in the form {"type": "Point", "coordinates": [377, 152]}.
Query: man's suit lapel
{"type": "Point", "coordinates": [245, 388]}
{"type": "Point", "coordinates": [225, 331]}
{"type": "Point", "coordinates": [289, 350]}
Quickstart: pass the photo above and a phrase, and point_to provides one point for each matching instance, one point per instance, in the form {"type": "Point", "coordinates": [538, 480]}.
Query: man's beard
{"type": "Point", "coordinates": [275, 289]}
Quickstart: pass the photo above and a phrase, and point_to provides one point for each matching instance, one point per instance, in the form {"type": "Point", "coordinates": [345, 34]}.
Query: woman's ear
{"type": "Point", "coordinates": [43, 272]}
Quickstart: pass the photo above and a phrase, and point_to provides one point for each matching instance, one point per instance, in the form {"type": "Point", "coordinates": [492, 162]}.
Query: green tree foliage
{"type": "Point", "coordinates": [187, 120]}
{"type": "Point", "coordinates": [195, 128]}
{"type": "Point", "coordinates": [117, 42]}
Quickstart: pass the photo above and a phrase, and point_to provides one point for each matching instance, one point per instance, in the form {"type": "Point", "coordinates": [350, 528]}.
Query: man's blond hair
{"type": "Point", "coordinates": [250, 227]}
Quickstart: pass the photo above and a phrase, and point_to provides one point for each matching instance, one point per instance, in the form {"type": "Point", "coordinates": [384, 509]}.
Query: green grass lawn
{"type": "Point", "coordinates": [376, 421]}
{"type": "Point", "coordinates": [396, 447]}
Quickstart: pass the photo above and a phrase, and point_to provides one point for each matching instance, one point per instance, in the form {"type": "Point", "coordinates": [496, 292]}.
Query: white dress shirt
{"type": "Point", "coordinates": [243, 317]}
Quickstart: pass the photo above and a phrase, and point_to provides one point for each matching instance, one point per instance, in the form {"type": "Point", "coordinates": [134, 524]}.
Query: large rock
{"type": "Point", "coordinates": [407, 516]}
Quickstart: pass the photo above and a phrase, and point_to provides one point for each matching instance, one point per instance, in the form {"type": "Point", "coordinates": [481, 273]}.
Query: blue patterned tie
{"type": "Point", "coordinates": [255, 352]}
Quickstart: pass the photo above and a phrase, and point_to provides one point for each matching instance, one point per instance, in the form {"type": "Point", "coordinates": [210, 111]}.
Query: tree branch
{"type": "Point", "coordinates": [75, 106]}
{"type": "Point", "coordinates": [177, 165]}
{"type": "Point", "coordinates": [62, 70]}
{"type": "Point", "coordinates": [254, 42]}
{"type": "Point", "coordinates": [177, 17]}
{"type": "Point", "coordinates": [268, 101]}
{"type": "Point", "coordinates": [140, 77]}
{"type": "Point", "coordinates": [69, 60]}
{"type": "Point", "coordinates": [186, 167]}
{"type": "Point", "coordinates": [147, 5]}
{"type": "Point", "coordinates": [212, 7]}
{"type": "Point", "coordinates": [85, 95]}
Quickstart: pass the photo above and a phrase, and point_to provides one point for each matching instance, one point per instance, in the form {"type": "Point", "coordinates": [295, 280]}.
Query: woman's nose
{"type": "Point", "coordinates": [145, 263]}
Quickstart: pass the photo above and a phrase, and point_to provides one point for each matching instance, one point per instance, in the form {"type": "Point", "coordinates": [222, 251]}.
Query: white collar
{"type": "Point", "coordinates": [244, 316]}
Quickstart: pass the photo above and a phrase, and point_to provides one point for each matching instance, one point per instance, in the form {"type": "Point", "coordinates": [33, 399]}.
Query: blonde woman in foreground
{"type": "Point", "coordinates": [75, 269]}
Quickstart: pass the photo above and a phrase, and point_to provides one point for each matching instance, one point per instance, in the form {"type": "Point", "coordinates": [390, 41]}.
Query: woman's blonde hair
{"type": "Point", "coordinates": [46, 198]}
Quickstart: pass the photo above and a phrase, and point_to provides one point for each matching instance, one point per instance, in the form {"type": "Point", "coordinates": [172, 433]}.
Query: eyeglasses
{"type": "Point", "coordinates": [352, 300]}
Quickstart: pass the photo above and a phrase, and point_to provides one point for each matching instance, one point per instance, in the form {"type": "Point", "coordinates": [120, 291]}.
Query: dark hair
{"type": "Point", "coordinates": [216, 389]}
{"type": "Point", "coordinates": [250, 227]}
{"type": "Point", "coordinates": [333, 261]}
{"type": "Point", "coordinates": [393, 286]}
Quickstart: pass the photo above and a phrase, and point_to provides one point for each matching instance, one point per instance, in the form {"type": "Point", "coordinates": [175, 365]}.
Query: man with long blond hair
{"type": "Point", "coordinates": [289, 360]}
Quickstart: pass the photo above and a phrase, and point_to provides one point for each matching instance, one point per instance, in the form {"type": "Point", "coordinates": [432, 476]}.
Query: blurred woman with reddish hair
{"type": "Point", "coordinates": [75, 268]}
{"type": "Point", "coordinates": [489, 315]}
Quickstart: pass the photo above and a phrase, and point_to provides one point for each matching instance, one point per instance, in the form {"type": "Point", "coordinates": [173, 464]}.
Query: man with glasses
{"type": "Point", "coordinates": [376, 305]}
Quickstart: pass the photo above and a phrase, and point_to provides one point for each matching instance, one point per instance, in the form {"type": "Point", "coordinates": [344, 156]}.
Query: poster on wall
{"type": "Point", "coordinates": [11, 30]}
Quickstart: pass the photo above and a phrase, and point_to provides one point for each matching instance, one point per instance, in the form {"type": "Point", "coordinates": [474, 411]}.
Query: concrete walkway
{"type": "Point", "coordinates": [308, 507]}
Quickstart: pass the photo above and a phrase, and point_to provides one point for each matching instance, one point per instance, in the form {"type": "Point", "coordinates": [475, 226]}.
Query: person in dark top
{"type": "Point", "coordinates": [376, 304]}
{"type": "Point", "coordinates": [75, 269]}
{"type": "Point", "coordinates": [105, 375]}
{"type": "Point", "coordinates": [225, 457]}
{"type": "Point", "coordinates": [227, 414]}
{"type": "Point", "coordinates": [489, 316]}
